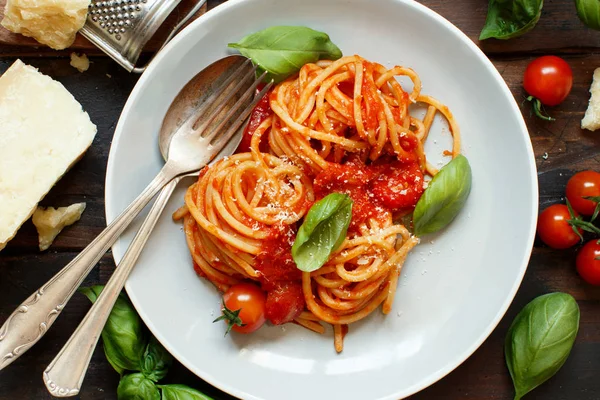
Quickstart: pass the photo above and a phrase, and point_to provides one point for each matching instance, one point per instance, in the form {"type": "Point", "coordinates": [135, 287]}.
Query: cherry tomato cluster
{"type": "Point", "coordinates": [548, 80]}
{"type": "Point", "coordinates": [561, 226]}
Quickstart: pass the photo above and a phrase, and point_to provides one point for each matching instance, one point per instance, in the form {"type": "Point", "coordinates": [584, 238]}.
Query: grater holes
{"type": "Point", "coordinates": [115, 17]}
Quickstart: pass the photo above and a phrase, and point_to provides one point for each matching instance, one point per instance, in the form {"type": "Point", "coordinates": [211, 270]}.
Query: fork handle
{"type": "Point", "coordinates": [66, 372]}
{"type": "Point", "coordinates": [30, 321]}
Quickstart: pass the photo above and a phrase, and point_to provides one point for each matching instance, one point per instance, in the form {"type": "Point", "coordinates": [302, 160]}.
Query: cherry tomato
{"type": "Point", "coordinates": [553, 228]}
{"type": "Point", "coordinates": [588, 262]}
{"type": "Point", "coordinates": [243, 308]}
{"type": "Point", "coordinates": [583, 184]}
{"type": "Point", "coordinates": [549, 79]}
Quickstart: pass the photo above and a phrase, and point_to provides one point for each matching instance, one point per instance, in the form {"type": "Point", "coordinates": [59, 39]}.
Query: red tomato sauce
{"type": "Point", "coordinates": [261, 112]}
{"type": "Point", "coordinates": [376, 190]}
{"type": "Point", "coordinates": [279, 276]}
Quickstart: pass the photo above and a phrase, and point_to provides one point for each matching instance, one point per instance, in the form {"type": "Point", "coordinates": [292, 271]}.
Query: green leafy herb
{"type": "Point", "coordinates": [283, 50]}
{"type": "Point", "coordinates": [589, 12]}
{"type": "Point", "coordinates": [137, 387]}
{"type": "Point", "coordinates": [123, 334]}
{"type": "Point", "coordinates": [181, 392]}
{"type": "Point", "coordinates": [540, 340]}
{"type": "Point", "coordinates": [507, 19]}
{"type": "Point", "coordinates": [444, 198]}
{"type": "Point", "coordinates": [156, 361]}
{"type": "Point", "coordinates": [322, 232]}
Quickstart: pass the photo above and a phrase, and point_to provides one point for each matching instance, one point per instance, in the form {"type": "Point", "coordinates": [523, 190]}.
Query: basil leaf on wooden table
{"type": "Point", "coordinates": [123, 334]}
{"type": "Point", "coordinates": [156, 361]}
{"type": "Point", "coordinates": [322, 232]}
{"type": "Point", "coordinates": [589, 12]}
{"type": "Point", "coordinates": [444, 197]}
{"type": "Point", "coordinates": [181, 392]}
{"type": "Point", "coordinates": [507, 19]}
{"type": "Point", "coordinates": [540, 340]}
{"type": "Point", "coordinates": [283, 50]}
{"type": "Point", "coordinates": [137, 387]}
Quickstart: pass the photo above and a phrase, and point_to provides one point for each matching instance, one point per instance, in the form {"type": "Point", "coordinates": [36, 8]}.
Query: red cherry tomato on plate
{"type": "Point", "coordinates": [583, 184]}
{"type": "Point", "coordinates": [553, 228]}
{"type": "Point", "coordinates": [243, 308]}
{"type": "Point", "coordinates": [549, 79]}
{"type": "Point", "coordinates": [588, 262]}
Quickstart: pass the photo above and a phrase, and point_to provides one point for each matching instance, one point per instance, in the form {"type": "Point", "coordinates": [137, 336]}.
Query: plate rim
{"type": "Point", "coordinates": [117, 253]}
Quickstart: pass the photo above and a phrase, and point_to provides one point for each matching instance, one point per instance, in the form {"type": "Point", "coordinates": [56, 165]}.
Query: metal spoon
{"type": "Point", "coordinates": [211, 93]}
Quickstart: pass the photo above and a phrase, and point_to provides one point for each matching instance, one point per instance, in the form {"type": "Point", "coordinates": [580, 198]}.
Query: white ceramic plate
{"type": "Point", "coordinates": [455, 286]}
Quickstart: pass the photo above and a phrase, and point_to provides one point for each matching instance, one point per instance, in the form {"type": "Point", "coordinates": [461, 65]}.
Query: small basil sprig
{"type": "Point", "coordinates": [589, 12]}
{"type": "Point", "coordinates": [128, 346]}
{"type": "Point", "coordinates": [137, 387]}
{"type": "Point", "coordinates": [283, 50]}
{"type": "Point", "coordinates": [123, 334]}
{"type": "Point", "coordinates": [540, 340]}
{"type": "Point", "coordinates": [156, 361]}
{"type": "Point", "coordinates": [181, 392]}
{"type": "Point", "coordinates": [444, 198]}
{"type": "Point", "coordinates": [322, 232]}
{"type": "Point", "coordinates": [507, 19]}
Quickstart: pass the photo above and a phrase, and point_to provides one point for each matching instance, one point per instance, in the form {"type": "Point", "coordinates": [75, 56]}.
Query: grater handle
{"type": "Point", "coordinates": [174, 31]}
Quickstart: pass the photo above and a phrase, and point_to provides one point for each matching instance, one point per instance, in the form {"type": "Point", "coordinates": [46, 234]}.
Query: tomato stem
{"type": "Point", "coordinates": [231, 317]}
{"type": "Point", "coordinates": [574, 221]}
{"type": "Point", "coordinates": [595, 199]}
{"type": "Point", "coordinates": [537, 109]}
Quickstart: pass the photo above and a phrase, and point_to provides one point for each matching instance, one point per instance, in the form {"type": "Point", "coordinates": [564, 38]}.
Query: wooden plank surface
{"type": "Point", "coordinates": [103, 91]}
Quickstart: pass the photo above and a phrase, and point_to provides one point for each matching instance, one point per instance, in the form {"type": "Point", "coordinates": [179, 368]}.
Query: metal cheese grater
{"type": "Point", "coordinates": [121, 28]}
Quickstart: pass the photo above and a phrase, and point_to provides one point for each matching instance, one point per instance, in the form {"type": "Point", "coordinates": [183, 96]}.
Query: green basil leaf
{"type": "Point", "coordinates": [589, 12]}
{"type": "Point", "coordinates": [181, 392]}
{"type": "Point", "coordinates": [156, 361]}
{"type": "Point", "coordinates": [137, 387]}
{"type": "Point", "coordinates": [283, 50]}
{"type": "Point", "coordinates": [123, 334]}
{"type": "Point", "coordinates": [540, 340]}
{"type": "Point", "coordinates": [444, 198]}
{"type": "Point", "coordinates": [507, 19]}
{"type": "Point", "coordinates": [322, 232]}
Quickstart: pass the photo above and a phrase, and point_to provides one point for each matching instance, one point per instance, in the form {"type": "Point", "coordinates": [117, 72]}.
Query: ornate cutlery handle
{"type": "Point", "coordinates": [30, 321]}
{"type": "Point", "coordinates": [66, 372]}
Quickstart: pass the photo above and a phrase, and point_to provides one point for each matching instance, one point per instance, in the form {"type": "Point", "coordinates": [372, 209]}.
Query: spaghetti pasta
{"type": "Point", "coordinates": [338, 126]}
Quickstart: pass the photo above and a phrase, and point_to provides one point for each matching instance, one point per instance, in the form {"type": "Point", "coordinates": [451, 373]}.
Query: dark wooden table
{"type": "Point", "coordinates": [103, 90]}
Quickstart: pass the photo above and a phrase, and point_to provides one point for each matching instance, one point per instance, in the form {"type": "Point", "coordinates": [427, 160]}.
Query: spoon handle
{"type": "Point", "coordinates": [66, 372]}
{"type": "Point", "coordinates": [30, 321]}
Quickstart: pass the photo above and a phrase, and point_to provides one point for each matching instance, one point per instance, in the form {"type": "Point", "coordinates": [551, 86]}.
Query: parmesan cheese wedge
{"type": "Point", "coordinates": [51, 22]}
{"type": "Point", "coordinates": [591, 119]}
{"type": "Point", "coordinates": [50, 221]}
{"type": "Point", "coordinates": [43, 131]}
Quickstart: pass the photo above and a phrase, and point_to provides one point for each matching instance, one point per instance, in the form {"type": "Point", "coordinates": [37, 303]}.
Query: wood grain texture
{"type": "Point", "coordinates": [103, 91]}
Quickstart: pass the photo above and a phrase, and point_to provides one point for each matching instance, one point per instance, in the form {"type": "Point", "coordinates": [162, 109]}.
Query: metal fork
{"type": "Point", "coordinates": [64, 376]}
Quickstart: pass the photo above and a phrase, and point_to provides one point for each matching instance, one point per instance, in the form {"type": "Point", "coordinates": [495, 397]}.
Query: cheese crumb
{"type": "Point", "coordinates": [51, 22]}
{"type": "Point", "coordinates": [80, 62]}
{"type": "Point", "coordinates": [591, 119]}
{"type": "Point", "coordinates": [50, 221]}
